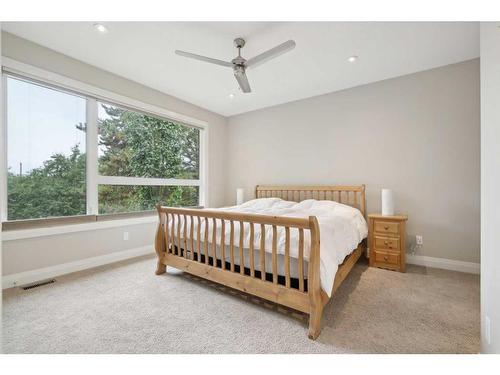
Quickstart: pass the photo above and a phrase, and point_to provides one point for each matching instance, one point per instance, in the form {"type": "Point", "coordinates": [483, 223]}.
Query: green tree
{"type": "Point", "coordinates": [55, 189]}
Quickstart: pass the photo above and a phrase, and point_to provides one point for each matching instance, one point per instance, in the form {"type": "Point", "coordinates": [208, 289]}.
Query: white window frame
{"type": "Point", "coordinates": [3, 151]}
{"type": "Point", "coordinates": [93, 95]}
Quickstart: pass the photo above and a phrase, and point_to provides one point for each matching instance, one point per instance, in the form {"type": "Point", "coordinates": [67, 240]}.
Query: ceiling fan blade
{"type": "Point", "coordinates": [270, 54]}
{"type": "Point", "coordinates": [242, 79]}
{"type": "Point", "coordinates": [204, 58]}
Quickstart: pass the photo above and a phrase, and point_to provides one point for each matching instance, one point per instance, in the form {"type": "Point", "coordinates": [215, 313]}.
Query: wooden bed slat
{"type": "Point", "coordinates": [252, 239]}
{"type": "Point", "coordinates": [214, 241]}
{"type": "Point", "coordinates": [191, 235]}
{"type": "Point", "coordinates": [185, 237]}
{"type": "Point", "coordinates": [242, 237]}
{"type": "Point", "coordinates": [275, 255]}
{"type": "Point", "coordinates": [179, 250]}
{"type": "Point", "coordinates": [287, 257]}
{"type": "Point", "coordinates": [167, 237]}
{"type": "Point", "coordinates": [222, 243]}
{"type": "Point", "coordinates": [199, 239]}
{"type": "Point", "coordinates": [262, 251]}
{"type": "Point", "coordinates": [301, 260]}
{"type": "Point", "coordinates": [174, 239]}
{"type": "Point", "coordinates": [231, 244]}
{"type": "Point", "coordinates": [171, 230]}
{"type": "Point", "coordinates": [205, 242]}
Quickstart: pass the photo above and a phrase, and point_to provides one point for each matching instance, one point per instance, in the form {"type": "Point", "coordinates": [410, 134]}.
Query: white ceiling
{"type": "Point", "coordinates": [144, 52]}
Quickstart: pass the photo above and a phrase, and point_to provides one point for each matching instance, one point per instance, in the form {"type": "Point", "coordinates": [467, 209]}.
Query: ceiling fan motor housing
{"type": "Point", "coordinates": [239, 42]}
{"type": "Point", "coordinates": [238, 61]}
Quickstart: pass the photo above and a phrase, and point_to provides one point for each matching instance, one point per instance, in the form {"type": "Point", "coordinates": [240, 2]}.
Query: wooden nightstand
{"type": "Point", "coordinates": [387, 241]}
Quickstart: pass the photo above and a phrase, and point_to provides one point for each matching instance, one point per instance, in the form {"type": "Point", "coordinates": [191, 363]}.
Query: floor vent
{"type": "Point", "coordinates": [41, 283]}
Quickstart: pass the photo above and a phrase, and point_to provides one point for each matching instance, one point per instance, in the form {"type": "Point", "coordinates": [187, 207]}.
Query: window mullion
{"type": "Point", "coordinates": [91, 165]}
{"type": "Point", "coordinates": [145, 181]}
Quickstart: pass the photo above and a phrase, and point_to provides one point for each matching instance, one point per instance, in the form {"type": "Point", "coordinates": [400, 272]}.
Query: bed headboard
{"type": "Point", "coordinates": [350, 195]}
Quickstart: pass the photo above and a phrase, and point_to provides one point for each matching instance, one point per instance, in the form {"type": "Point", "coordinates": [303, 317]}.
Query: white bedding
{"type": "Point", "coordinates": [342, 228]}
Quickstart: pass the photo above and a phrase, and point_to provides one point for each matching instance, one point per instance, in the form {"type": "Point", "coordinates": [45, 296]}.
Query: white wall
{"type": "Point", "coordinates": [30, 254]}
{"type": "Point", "coordinates": [490, 186]}
{"type": "Point", "coordinates": [417, 134]}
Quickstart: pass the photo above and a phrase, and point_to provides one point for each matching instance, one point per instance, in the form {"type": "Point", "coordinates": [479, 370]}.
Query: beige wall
{"type": "Point", "coordinates": [490, 185]}
{"type": "Point", "coordinates": [47, 251]}
{"type": "Point", "coordinates": [30, 254]}
{"type": "Point", "coordinates": [416, 134]}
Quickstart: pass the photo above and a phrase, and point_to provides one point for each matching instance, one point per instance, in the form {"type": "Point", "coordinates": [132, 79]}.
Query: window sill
{"type": "Point", "coordinates": [17, 230]}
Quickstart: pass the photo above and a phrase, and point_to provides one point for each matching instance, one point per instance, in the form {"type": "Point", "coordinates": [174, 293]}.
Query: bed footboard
{"type": "Point", "coordinates": [194, 240]}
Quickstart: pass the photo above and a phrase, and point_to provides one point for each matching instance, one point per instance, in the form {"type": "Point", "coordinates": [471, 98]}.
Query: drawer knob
{"type": "Point", "coordinates": [385, 258]}
{"type": "Point", "coordinates": [386, 243]}
{"type": "Point", "coordinates": [386, 227]}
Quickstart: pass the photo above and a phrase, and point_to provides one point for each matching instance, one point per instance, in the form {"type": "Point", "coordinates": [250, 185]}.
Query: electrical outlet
{"type": "Point", "coordinates": [125, 236]}
{"type": "Point", "coordinates": [487, 329]}
{"type": "Point", "coordinates": [419, 240]}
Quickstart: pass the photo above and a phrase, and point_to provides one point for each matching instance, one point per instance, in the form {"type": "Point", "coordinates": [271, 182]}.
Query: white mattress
{"type": "Point", "coordinates": [342, 228]}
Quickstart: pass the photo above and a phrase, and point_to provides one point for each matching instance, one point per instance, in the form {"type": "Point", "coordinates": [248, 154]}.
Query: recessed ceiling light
{"type": "Point", "coordinates": [101, 28]}
{"type": "Point", "coordinates": [231, 96]}
{"type": "Point", "coordinates": [352, 58]}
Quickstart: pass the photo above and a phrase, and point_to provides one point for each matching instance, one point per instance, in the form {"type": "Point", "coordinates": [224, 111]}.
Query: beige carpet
{"type": "Point", "coordinates": [125, 308]}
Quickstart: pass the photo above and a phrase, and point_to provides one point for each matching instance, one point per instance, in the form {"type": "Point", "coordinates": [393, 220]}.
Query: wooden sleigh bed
{"type": "Point", "coordinates": [207, 258]}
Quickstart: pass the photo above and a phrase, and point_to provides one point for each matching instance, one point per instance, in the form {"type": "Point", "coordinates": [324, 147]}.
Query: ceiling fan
{"type": "Point", "coordinates": [239, 64]}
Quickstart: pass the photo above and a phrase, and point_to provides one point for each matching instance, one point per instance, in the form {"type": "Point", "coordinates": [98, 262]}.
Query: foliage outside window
{"type": "Point", "coordinates": [130, 198]}
{"type": "Point", "coordinates": [47, 158]}
{"type": "Point", "coordinates": [133, 144]}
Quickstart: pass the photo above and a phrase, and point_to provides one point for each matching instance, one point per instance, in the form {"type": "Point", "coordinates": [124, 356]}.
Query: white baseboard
{"type": "Point", "coordinates": [447, 264]}
{"type": "Point", "coordinates": [28, 277]}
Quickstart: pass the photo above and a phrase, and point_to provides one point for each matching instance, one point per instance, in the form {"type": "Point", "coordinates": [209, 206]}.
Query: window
{"type": "Point", "coordinates": [45, 153]}
{"type": "Point", "coordinates": [139, 147]}
{"type": "Point", "coordinates": [69, 153]}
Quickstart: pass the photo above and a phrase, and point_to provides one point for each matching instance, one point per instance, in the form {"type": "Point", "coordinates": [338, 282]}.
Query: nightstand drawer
{"type": "Point", "coordinates": [386, 227]}
{"type": "Point", "coordinates": [386, 243]}
{"type": "Point", "coordinates": [386, 257]}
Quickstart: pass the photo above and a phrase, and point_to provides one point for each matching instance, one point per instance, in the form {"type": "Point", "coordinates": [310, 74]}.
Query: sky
{"type": "Point", "coordinates": [40, 123]}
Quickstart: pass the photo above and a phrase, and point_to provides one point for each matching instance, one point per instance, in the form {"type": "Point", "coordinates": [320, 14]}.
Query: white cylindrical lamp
{"type": "Point", "coordinates": [387, 202]}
